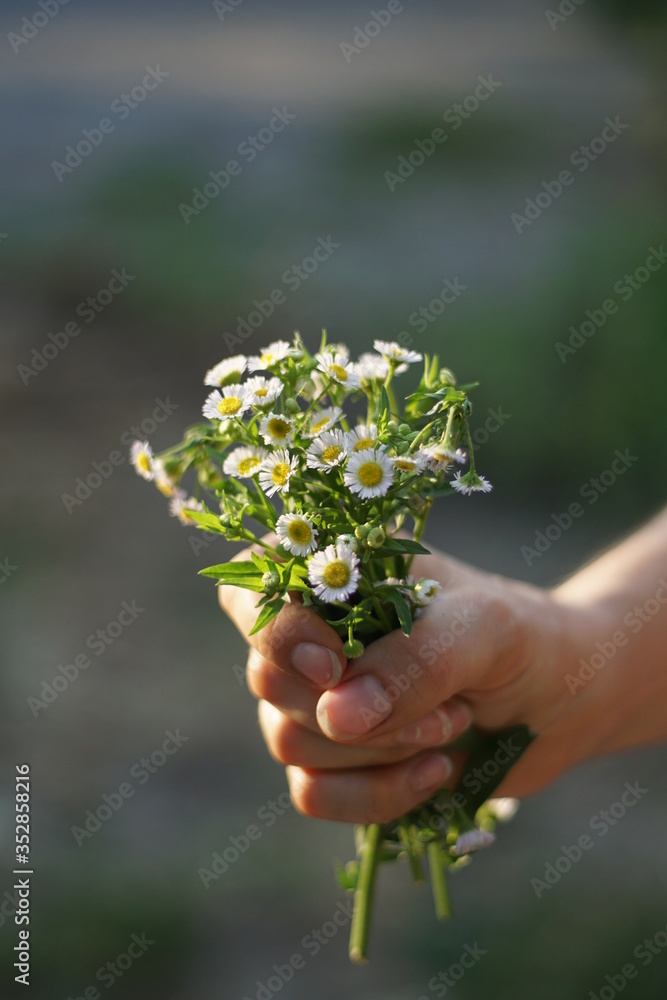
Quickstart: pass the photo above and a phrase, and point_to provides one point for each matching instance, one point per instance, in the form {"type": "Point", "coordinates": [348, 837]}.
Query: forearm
{"type": "Point", "coordinates": [624, 592]}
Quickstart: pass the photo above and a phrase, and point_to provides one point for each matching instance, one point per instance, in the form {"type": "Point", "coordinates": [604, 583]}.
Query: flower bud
{"type": "Point", "coordinates": [228, 520]}
{"type": "Point", "coordinates": [376, 538]}
{"type": "Point", "coordinates": [404, 429]}
{"type": "Point", "coordinates": [447, 377]}
{"type": "Point", "coordinates": [361, 531]}
{"type": "Point", "coordinates": [392, 426]}
{"type": "Point", "coordinates": [271, 582]}
{"type": "Point", "coordinates": [292, 406]}
{"type": "Point", "coordinates": [353, 649]}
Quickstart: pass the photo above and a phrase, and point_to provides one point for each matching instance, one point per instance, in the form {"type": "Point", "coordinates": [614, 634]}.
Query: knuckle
{"type": "Point", "coordinates": [283, 742]}
{"type": "Point", "coordinates": [305, 792]}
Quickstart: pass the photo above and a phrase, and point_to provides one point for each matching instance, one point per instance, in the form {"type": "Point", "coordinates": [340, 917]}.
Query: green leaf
{"type": "Point", "coordinates": [236, 574]}
{"type": "Point", "coordinates": [406, 545]}
{"type": "Point", "coordinates": [260, 562]}
{"type": "Point", "coordinates": [206, 520]}
{"type": "Point", "coordinates": [385, 408]}
{"type": "Point", "coordinates": [402, 610]}
{"type": "Point", "coordinates": [503, 749]}
{"type": "Point", "coordinates": [268, 613]}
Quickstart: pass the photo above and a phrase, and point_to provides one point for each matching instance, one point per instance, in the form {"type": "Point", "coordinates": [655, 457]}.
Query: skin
{"type": "Point", "coordinates": [489, 650]}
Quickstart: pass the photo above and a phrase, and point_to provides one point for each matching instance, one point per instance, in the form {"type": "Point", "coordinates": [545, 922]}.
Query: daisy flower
{"type": "Point", "coordinates": [338, 369]}
{"type": "Point", "coordinates": [270, 356]}
{"type": "Point", "coordinates": [425, 592]}
{"type": "Point", "coordinates": [276, 472]}
{"type": "Point", "coordinates": [181, 505]}
{"type": "Point", "coordinates": [373, 368]}
{"type": "Point", "coordinates": [227, 372]}
{"type": "Point", "coordinates": [472, 840]}
{"type": "Point", "coordinates": [231, 402]}
{"type": "Point", "coordinates": [262, 391]}
{"type": "Point", "coordinates": [277, 429]}
{"type": "Point", "coordinates": [363, 437]}
{"type": "Point", "coordinates": [141, 456]}
{"type": "Point", "coordinates": [369, 473]}
{"type": "Point", "coordinates": [392, 351]}
{"type": "Point", "coordinates": [323, 421]}
{"type": "Point", "coordinates": [243, 463]}
{"type": "Point", "coordinates": [412, 464]}
{"type": "Point", "coordinates": [297, 534]}
{"type": "Point", "coordinates": [164, 482]}
{"type": "Point", "coordinates": [327, 451]}
{"type": "Point", "coordinates": [334, 574]}
{"type": "Point", "coordinates": [437, 458]}
{"type": "Point", "coordinates": [470, 483]}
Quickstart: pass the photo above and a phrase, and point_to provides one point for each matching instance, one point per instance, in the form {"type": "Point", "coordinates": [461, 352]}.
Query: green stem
{"type": "Point", "coordinates": [438, 880]}
{"type": "Point", "coordinates": [406, 840]}
{"type": "Point", "coordinates": [363, 897]}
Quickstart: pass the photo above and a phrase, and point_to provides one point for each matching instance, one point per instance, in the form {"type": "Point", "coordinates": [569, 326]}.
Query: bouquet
{"type": "Point", "coordinates": [334, 497]}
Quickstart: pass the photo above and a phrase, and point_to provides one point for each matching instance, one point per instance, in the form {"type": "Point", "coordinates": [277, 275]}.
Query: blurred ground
{"type": "Point", "coordinates": [173, 668]}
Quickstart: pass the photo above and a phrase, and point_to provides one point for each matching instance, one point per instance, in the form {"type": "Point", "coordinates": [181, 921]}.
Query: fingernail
{"type": "Point", "coordinates": [431, 731]}
{"type": "Point", "coordinates": [430, 773]}
{"type": "Point", "coordinates": [318, 663]}
{"type": "Point", "coordinates": [354, 708]}
{"type": "Point", "coordinates": [460, 715]}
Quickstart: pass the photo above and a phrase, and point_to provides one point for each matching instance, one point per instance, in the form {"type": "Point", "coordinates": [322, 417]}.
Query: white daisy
{"type": "Point", "coordinates": [392, 351]}
{"type": "Point", "coordinates": [503, 809]}
{"type": "Point", "coordinates": [411, 464]}
{"type": "Point", "coordinates": [297, 534]}
{"type": "Point", "coordinates": [262, 391]}
{"type": "Point", "coordinates": [181, 505]}
{"type": "Point", "coordinates": [231, 402]}
{"type": "Point", "coordinates": [470, 483]}
{"type": "Point", "coordinates": [269, 356]}
{"type": "Point", "coordinates": [340, 352]}
{"type": "Point", "coordinates": [472, 840]}
{"type": "Point", "coordinates": [369, 473]}
{"type": "Point", "coordinates": [227, 372]}
{"type": "Point", "coordinates": [437, 459]}
{"type": "Point", "coordinates": [276, 472]}
{"type": "Point", "coordinates": [327, 451]}
{"type": "Point", "coordinates": [334, 573]}
{"type": "Point", "coordinates": [363, 437]}
{"type": "Point", "coordinates": [323, 421]}
{"type": "Point", "coordinates": [244, 463]}
{"type": "Point", "coordinates": [338, 369]}
{"type": "Point", "coordinates": [277, 429]}
{"type": "Point", "coordinates": [141, 456]}
{"type": "Point", "coordinates": [374, 368]}
{"type": "Point", "coordinates": [163, 481]}
{"type": "Point", "coordinates": [425, 592]}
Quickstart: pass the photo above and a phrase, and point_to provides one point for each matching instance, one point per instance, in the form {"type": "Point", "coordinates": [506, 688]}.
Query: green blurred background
{"type": "Point", "coordinates": [179, 664]}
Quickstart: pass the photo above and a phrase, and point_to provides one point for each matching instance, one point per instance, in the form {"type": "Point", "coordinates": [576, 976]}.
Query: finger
{"type": "Point", "coordinates": [297, 640]}
{"type": "Point", "coordinates": [399, 680]}
{"type": "Point", "coordinates": [296, 699]}
{"type": "Point", "coordinates": [289, 742]}
{"type": "Point", "coordinates": [371, 794]}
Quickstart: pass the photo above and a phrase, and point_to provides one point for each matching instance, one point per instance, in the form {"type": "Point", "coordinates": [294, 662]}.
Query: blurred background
{"type": "Point", "coordinates": [548, 420]}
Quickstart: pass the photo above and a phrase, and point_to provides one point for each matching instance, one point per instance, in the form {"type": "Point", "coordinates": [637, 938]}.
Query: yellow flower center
{"type": "Point", "coordinates": [280, 473]}
{"type": "Point", "coordinates": [339, 373]}
{"type": "Point", "coordinates": [249, 465]}
{"type": "Point", "coordinates": [278, 428]}
{"type": "Point", "coordinates": [300, 532]}
{"type": "Point", "coordinates": [262, 393]}
{"type": "Point", "coordinates": [370, 474]}
{"type": "Point", "coordinates": [331, 454]}
{"type": "Point", "coordinates": [267, 360]}
{"type": "Point", "coordinates": [144, 462]}
{"type": "Point", "coordinates": [405, 465]}
{"type": "Point", "coordinates": [165, 487]}
{"type": "Point", "coordinates": [337, 574]}
{"type": "Point", "coordinates": [229, 406]}
{"type": "Point", "coordinates": [320, 425]}
{"type": "Point", "coordinates": [364, 444]}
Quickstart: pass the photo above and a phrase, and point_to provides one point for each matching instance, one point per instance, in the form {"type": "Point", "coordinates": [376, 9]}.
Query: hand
{"type": "Point", "coordinates": [362, 741]}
